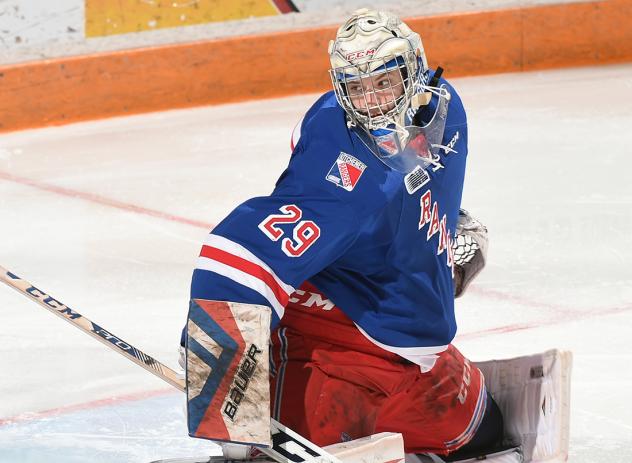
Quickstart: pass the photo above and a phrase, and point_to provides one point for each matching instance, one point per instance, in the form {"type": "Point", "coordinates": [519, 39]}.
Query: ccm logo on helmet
{"type": "Point", "coordinates": [360, 54]}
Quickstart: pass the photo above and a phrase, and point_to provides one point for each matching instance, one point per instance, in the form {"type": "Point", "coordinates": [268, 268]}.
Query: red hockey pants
{"type": "Point", "coordinates": [330, 384]}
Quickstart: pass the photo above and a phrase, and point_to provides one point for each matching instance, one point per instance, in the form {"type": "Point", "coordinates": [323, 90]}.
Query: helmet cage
{"type": "Point", "coordinates": [375, 108]}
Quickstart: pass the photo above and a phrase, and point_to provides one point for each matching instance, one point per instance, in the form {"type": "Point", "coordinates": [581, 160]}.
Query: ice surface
{"type": "Point", "coordinates": [108, 217]}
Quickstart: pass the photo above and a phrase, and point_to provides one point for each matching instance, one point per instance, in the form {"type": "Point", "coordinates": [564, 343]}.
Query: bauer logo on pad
{"type": "Point", "coordinates": [346, 171]}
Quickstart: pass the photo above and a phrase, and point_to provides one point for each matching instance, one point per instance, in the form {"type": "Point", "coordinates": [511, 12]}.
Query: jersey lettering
{"type": "Point", "coordinates": [426, 208]}
{"type": "Point", "coordinates": [304, 234]}
{"type": "Point", "coordinates": [430, 216]}
{"type": "Point", "coordinates": [443, 235]}
{"type": "Point", "coordinates": [291, 214]}
{"type": "Point", "coordinates": [434, 222]}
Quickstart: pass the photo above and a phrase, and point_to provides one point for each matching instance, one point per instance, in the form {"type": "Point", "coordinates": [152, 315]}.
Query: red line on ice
{"type": "Point", "coordinates": [31, 416]}
{"type": "Point", "coordinates": [560, 318]}
{"type": "Point", "coordinates": [94, 198]}
{"type": "Point", "coordinates": [521, 300]}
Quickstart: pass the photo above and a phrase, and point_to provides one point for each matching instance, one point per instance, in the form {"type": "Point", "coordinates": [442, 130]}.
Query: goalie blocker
{"type": "Point", "coordinates": [227, 382]}
{"type": "Point", "coordinates": [228, 392]}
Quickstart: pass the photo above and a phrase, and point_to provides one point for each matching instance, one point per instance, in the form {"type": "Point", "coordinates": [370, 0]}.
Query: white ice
{"type": "Point", "coordinates": [108, 217]}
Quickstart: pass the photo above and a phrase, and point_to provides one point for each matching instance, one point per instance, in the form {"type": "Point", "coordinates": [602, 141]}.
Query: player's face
{"type": "Point", "coordinates": [378, 94]}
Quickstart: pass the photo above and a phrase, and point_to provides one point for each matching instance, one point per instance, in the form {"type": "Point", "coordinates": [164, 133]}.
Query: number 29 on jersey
{"type": "Point", "coordinates": [304, 233]}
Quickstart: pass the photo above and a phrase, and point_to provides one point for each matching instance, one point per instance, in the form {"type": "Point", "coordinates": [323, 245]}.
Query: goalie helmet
{"type": "Point", "coordinates": [378, 69]}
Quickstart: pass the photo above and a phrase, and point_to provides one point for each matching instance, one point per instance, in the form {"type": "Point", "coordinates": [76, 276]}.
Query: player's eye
{"type": "Point", "coordinates": [354, 89]}
{"type": "Point", "coordinates": [382, 85]}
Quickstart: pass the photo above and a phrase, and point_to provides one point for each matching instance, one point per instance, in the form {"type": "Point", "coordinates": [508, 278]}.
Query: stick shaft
{"type": "Point", "coordinates": [97, 332]}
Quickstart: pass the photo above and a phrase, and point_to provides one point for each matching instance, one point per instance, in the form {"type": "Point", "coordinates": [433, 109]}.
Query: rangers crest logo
{"type": "Point", "coordinates": [388, 143]}
{"type": "Point", "coordinates": [346, 171]}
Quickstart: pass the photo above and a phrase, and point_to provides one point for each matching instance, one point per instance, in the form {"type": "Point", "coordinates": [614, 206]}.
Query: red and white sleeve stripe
{"type": "Point", "coordinates": [231, 260]}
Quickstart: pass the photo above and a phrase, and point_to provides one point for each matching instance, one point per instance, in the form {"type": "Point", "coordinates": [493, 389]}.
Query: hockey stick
{"type": "Point", "coordinates": [288, 446]}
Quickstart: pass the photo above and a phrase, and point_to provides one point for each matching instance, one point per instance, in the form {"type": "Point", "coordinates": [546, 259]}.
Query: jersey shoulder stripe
{"type": "Point", "coordinates": [231, 260]}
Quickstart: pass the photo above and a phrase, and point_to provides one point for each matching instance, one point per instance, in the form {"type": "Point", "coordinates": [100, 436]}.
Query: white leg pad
{"type": "Point", "coordinates": [533, 393]}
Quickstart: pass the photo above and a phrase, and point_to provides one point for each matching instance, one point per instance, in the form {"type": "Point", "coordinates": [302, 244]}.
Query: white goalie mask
{"type": "Point", "coordinates": [370, 46]}
{"type": "Point", "coordinates": [380, 76]}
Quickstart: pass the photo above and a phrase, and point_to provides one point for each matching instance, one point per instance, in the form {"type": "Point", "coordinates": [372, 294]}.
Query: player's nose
{"type": "Point", "coordinates": [371, 96]}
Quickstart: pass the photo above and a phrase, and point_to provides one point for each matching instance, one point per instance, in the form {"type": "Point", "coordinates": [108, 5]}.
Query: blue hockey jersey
{"type": "Point", "coordinates": [341, 219]}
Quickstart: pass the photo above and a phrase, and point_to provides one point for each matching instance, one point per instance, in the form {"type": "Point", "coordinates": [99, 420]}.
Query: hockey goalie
{"type": "Point", "coordinates": [329, 304]}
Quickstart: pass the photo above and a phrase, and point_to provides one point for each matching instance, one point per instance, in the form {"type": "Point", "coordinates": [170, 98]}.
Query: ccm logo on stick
{"type": "Point", "coordinates": [52, 303]}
